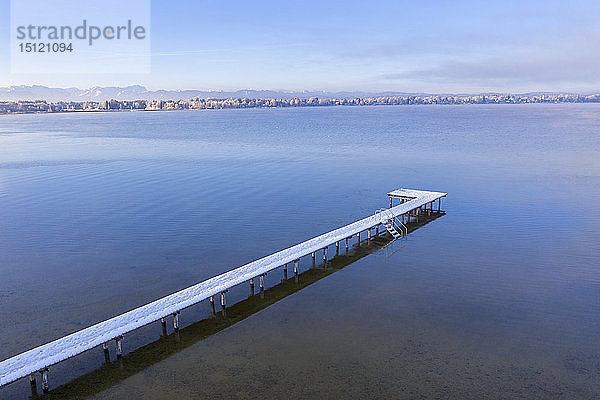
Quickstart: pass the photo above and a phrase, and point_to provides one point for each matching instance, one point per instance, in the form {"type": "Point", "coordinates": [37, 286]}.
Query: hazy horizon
{"type": "Point", "coordinates": [301, 90]}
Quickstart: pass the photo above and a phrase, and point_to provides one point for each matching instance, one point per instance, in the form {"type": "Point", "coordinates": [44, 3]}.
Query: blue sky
{"type": "Point", "coordinates": [411, 46]}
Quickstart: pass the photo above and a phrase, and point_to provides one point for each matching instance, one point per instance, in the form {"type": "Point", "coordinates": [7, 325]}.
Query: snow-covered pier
{"type": "Point", "coordinates": [413, 203]}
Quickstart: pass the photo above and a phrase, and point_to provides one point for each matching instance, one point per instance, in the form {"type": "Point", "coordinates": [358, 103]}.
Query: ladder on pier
{"type": "Point", "coordinates": [389, 221]}
{"type": "Point", "coordinates": [389, 226]}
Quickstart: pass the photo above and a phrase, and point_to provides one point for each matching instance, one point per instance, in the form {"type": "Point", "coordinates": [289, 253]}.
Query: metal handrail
{"type": "Point", "coordinates": [404, 228]}
{"type": "Point", "coordinates": [385, 218]}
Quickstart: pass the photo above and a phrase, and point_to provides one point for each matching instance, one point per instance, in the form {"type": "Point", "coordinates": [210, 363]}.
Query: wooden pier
{"type": "Point", "coordinates": [413, 203]}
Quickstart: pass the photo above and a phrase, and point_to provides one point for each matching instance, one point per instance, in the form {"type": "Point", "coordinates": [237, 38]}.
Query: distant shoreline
{"type": "Point", "coordinates": [46, 107]}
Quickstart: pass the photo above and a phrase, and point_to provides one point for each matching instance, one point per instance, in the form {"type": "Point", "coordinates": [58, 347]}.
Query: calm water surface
{"type": "Point", "coordinates": [500, 298]}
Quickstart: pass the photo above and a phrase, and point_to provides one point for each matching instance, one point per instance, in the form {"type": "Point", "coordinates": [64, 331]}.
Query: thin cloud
{"type": "Point", "coordinates": [573, 61]}
{"type": "Point", "coordinates": [584, 68]}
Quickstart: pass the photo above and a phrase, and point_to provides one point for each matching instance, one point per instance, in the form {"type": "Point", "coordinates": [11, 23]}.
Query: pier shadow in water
{"type": "Point", "coordinates": [136, 361]}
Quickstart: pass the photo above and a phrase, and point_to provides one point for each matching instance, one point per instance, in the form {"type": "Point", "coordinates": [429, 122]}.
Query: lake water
{"type": "Point", "coordinates": [499, 298]}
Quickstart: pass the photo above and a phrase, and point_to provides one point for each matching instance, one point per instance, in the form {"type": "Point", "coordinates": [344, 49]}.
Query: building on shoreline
{"type": "Point", "coordinates": [196, 103]}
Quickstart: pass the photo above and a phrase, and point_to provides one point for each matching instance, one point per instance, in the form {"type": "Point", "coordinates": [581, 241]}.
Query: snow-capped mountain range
{"type": "Point", "coordinates": [137, 92]}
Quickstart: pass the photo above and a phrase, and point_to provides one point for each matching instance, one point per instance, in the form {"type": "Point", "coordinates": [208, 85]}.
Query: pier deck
{"type": "Point", "coordinates": [41, 357]}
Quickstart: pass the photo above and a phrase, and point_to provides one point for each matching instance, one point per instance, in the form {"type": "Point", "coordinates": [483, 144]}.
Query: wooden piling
{"type": "Point", "coordinates": [223, 309]}
{"type": "Point", "coordinates": [119, 345]}
{"type": "Point", "coordinates": [261, 286]}
{"type": "Point", "coordinates": [176, 321]}
{"type": "Point", "coordinates": [106, 352]}
{"type": "Point", "coordinates": [163, 325]}
{"type": "Point", "coordinates": [212, 305]}
{"type": "Point", "coordinates": [44, 373]}
{"type": "Point", "coordinates": [33, 385]}
{"type": "Point", "coordinates": [296, 271]}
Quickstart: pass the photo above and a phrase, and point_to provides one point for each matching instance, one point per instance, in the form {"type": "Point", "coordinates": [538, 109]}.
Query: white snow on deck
{"type": "Point", "coordinates": [417, 194]}
{"type": "Point", "coordinates": [51, 353]}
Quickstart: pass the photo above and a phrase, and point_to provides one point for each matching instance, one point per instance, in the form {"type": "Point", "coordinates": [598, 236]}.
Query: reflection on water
{"type": "Point", "coordinates": [498, 299]}
{"type": "Point", "coordinates": [112, 373]}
